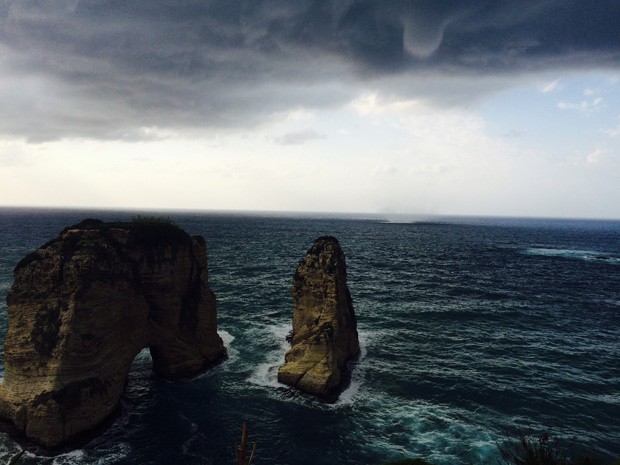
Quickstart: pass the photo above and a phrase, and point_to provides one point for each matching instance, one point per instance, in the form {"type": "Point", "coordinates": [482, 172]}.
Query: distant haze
{"type": "Point", "coordinates": [470, 108]}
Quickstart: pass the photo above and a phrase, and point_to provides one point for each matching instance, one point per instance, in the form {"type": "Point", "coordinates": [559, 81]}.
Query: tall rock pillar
{"type": "Point", "coordinates": [324, 334]}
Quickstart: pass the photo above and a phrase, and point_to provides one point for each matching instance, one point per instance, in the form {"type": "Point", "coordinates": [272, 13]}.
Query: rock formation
{"type": "Point", "coordinates": [83, 306]}
{"type": "Point", "coordinates": [324, 334]}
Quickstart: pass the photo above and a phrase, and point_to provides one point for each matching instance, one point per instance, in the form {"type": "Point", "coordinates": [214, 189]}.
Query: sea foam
{"type": "Point", "coordinates": [266, 373]}
{"type": "Point", "coordinates": [587, 255]}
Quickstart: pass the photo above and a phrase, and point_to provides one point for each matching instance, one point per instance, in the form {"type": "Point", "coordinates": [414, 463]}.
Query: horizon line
{"type": "Point", "coordinates": [302, 213]}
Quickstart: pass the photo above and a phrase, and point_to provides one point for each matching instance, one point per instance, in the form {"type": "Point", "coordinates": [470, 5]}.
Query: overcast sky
{"type": "Point", "coordinates": [477, 107]}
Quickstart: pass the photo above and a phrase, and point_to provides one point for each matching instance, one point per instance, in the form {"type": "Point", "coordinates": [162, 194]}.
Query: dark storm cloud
{"type": "Point", "coordinates": [106, 69]}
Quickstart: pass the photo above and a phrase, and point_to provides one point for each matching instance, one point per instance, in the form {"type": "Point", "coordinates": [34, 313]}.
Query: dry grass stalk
{"type": "Point", "coordinates": [242, 449]}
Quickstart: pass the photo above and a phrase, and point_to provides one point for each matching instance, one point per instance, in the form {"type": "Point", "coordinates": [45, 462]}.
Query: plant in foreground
{"type": "Point", "coordinates": [242, 449]}
{"type": "Point", "coordinates": [541, 450]}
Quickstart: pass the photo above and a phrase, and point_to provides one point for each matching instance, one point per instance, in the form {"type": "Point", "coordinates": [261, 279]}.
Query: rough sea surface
{"type": "Point", "coordinates": [469, 328]}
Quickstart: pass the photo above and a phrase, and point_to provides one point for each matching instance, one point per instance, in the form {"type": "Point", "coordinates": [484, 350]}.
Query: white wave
{"type": "Point", "coordinates": [227, 338]}
{"type": "Point", "coordinates": [75, 456]}
{"type": "Point", "coordinates": [107, 455]}
{"type": "Point", "coordinates": [280, 331]}
{"type": "Point", "coordinates": [266, 373]}
{"type": "Point", "coordinates": [588, 255]}
{"type": "Point", "coordinates": [349, 395]}
{"type": "Point", "coordinates": [6, 454]}
{"type": "Point", "coordinates": [232, 355]}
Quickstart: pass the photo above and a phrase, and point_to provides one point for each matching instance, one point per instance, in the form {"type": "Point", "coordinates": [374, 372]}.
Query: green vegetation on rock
{"type": "Point", "coordinates": [150, 230]}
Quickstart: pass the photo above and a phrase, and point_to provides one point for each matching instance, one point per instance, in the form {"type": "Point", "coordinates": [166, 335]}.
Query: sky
{"type": "Point", "coordinates": [478, 107]}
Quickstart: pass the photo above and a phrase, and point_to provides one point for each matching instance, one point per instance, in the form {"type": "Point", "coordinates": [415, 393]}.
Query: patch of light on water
{"type": "Point", "coordinates": [143, 357]}
{"type": "Point", "coordinates": [588, 255]}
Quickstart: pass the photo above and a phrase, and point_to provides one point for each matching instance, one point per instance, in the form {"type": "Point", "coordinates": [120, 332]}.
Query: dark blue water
{"type": "Point", "coordinates": [469, 327]}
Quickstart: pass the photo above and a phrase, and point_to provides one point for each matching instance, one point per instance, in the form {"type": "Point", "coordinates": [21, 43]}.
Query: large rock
{"type": "Point", "coordinates": [324, 334]}
{"type": "Point", "coordinates": [83, 306]}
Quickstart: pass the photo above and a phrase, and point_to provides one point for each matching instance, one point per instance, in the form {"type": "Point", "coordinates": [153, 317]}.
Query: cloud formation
{"type": "Point", "coordinates": [112, 69]}
{"type": "Point", "coordinates": [299, 137]}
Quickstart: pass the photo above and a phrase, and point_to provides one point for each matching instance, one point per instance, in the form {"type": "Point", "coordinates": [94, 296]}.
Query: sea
{"type": "Point", "coordinates": [472, 331]}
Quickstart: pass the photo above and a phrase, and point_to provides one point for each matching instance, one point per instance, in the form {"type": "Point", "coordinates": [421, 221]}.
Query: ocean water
{"type": "Point", "coordinates": [469, 328]}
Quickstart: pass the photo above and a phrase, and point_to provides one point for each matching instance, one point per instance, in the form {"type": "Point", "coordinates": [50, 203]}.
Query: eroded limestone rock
{"type": "Point", "coordinates": [324, 334]}
{"type": "Point", "coordinates": [82, 307]}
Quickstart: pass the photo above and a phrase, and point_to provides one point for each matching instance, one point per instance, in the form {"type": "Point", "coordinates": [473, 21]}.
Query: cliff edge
{"type": "Point", "coordinates": [324, 334]}
{"type": "Point", "coordinates": [84, 305]}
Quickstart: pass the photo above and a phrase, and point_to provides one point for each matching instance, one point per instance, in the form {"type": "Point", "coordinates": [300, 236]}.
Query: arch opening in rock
{"type": "Point", "coordinates": [84, 305]}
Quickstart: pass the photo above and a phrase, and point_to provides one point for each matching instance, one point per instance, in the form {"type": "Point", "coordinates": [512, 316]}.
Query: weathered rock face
{"type": "Point", "coordinates": [324, 326]}
{"type": "Point", "coordinates": [83, 306]}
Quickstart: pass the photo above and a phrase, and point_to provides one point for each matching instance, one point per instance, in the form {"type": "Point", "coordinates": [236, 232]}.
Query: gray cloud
{"type": "Point", "coordinates": [299, 137]}
{"type": "Point", "coordinates": [109, 68]}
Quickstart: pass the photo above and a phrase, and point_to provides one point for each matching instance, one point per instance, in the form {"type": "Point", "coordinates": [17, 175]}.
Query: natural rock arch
{"type": "Point", "coordinates": [85, 304]}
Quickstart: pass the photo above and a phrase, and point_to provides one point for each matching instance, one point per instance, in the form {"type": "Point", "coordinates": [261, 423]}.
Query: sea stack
{"type": "Point", "coordinates": [324, 336]}
{"type": "Point", "coordinates": [85, 304]}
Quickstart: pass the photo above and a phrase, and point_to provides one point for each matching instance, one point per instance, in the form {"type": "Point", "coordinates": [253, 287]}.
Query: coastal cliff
{"type": "Point", "coordinates": [324, 334]}
{"type": "Point", "coordinates": [84, 305]}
